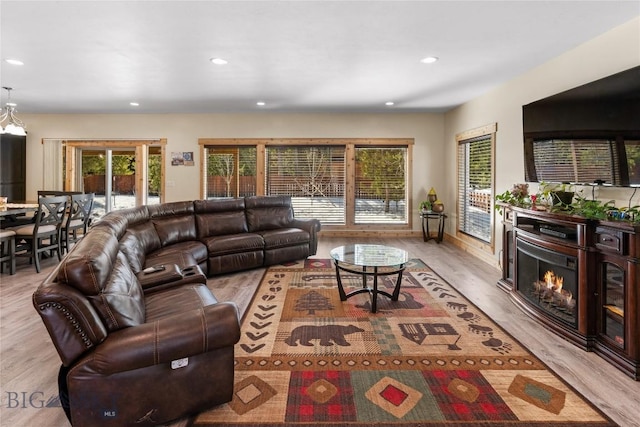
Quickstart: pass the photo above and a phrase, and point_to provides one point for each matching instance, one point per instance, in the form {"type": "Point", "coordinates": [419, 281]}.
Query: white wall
{"type": "Point", "coordinates": [183, 130]}
{"type": "Point", "coordinates": [612, 52]}
{"type": "Point", "coordinates": [435, 149]}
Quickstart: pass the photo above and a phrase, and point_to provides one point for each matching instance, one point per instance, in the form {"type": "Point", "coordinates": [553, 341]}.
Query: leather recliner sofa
{"type": "Point", "coordinates": [222, 236]}
{"type": "Point", "coordinates": [144, 348]}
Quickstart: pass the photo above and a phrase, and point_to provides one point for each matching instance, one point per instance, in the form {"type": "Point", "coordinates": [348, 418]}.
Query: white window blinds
{"type": "Point", "coordinates": [475, 193]}
{"type": "Point", "coordinates": [313, 176]}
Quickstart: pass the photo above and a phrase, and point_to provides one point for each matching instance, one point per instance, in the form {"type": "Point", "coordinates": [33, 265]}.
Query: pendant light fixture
{"type": "Point", "coordinates": [13, 125]}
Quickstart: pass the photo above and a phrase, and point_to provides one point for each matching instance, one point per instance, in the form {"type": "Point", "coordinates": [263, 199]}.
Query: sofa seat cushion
{"type": "Point", "coordinates": [195, 248]}
{"type": "Point", "coordinates": [171, 301]}
{"type": "Point", "coordinates": [233, 243]}
{"type": "Point", "coordinates": [284, 237]}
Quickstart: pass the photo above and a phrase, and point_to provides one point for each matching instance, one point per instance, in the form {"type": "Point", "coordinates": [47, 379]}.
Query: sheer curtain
{"type": "Point", "coordinates": [52, 165]}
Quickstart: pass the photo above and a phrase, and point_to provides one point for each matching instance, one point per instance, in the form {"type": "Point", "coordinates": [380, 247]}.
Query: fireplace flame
{"type": "Point", "coordinates": [550, 289]}
{"type": "Point", "coordinates": [553, 282]}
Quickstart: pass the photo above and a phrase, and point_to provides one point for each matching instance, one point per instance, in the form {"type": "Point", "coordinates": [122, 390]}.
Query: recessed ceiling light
{"type": "Point", "coordinates": [219, 61]}
{"type": "Point", "coordinates": [389, 103]}
{"type": "Point", "coordinates": [13, 61]}
{"type": "Point", "coordinates": [429, 60]}
{"type": "Point", "coordinates": [261, 103]}
{"type": "Point", "coordinates": [134, 104]}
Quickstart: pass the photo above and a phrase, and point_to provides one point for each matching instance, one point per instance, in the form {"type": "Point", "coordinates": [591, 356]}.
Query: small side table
{"type": "Point", "coordinates": [426, 216]}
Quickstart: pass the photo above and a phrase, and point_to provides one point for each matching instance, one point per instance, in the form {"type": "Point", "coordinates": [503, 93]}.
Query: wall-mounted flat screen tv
{"type": "Point", "coordinates": [586, 135]}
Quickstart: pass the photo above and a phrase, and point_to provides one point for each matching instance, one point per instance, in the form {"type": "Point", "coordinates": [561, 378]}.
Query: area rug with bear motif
{"type": "Point", "coordinates": [431, 358]}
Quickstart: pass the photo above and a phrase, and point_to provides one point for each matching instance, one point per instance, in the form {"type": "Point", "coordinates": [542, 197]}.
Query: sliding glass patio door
{"type": "Point", "coordinates": [110, 174]}
{"type": "Point", "coordinates": [120, 176]}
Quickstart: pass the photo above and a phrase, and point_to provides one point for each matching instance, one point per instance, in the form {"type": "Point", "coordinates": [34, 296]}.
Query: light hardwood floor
{"type": "Point", "coordinates": [29, 362]}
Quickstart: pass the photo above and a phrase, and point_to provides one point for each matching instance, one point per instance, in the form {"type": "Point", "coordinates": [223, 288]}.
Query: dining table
{"type": "Point", "coordinates": [18, 208]}
{"type": "Point", "coordinates": [14, 214]}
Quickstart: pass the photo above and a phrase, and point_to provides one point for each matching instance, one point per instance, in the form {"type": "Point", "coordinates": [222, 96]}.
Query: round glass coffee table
{"type": "Point", "coordinates": [369, 260]}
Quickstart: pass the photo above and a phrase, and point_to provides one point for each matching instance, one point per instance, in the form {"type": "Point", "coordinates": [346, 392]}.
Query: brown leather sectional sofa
{"type": "Point", "coordinates": [142, 347]}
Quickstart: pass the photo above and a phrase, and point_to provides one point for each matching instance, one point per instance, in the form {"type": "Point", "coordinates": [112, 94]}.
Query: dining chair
{"type": "Point", "coordinates": [52, 193]}
{"type": "Point", "coordinates": [77, 219]}
{"type": "Point", "coordinates": [8, 250]}
{"type": "Point", "coordinates": [44, 234]}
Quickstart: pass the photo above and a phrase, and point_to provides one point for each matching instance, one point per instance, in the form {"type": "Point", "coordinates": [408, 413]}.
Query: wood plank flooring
{"type": "Point", "coordinates": [29, 362]}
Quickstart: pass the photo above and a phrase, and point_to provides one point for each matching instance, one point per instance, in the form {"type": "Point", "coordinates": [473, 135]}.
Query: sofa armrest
{"type": "Point", "coordinates": [71, 320]}
{"type": "Point", "coordinates": [312, 226]}
{"type": "Point", "coordinates": [170, 275]}
{"type": "Point", "coordinates": [175, 337]}
{"type": "Point", "coordinates": [159, 275]}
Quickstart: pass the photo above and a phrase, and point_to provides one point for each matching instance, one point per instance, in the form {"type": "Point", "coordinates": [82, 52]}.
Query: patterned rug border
{"type": "Point", "coordinates": [451, 363]}
{"type": "Point", "coordinates": [548, 368]}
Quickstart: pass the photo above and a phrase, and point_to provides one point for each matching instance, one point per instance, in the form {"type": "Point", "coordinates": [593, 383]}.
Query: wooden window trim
{"type": "Point", "coordinates": [489, 129]}
{"type": "Point", "coordinates": [71, 146]}
{"type": "Point", "coordinates": [350, 144]}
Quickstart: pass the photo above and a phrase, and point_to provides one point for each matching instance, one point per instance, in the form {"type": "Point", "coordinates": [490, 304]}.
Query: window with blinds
{"type": "Point", "coordinates": [343, 182]}
{"type": "Point", "coordinates": [475, 186]}
{"type": "Point", "coordinates": [230, 171]}
{"type": "Point", "coordinates": [380, 185]}
{"type": "Point", "coordinates": [314, 177]}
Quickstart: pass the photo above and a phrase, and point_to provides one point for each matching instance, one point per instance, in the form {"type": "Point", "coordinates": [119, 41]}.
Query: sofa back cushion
{"type": "Point", "coordinates": [137, 242]}
{"type": "Point", "coordinates": [122, 220]}
{"type": "Point", "coordinates": [268, 212]}
{"type": "Point", "coordinates": [88, 266]}
{"type": "Point", "coordinates": [174, 222]}
{"type": "Point", "coordinates": [121, 301]}
{"type": "Point", "coordinates": [99, 270]}
{"type": "Point", "coordinates": [218, 217]}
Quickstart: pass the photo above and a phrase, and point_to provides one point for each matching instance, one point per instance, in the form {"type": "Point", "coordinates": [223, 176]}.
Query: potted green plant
{"type": "Point", "coordinates": [633, 213]}
{"type": "Point", "coordinates": [517, 196]}
{"type": "Point", "coordinates": [592, 209]}
{"type": "Point", "coordinates": [424, 206]}
{"type": "Point", "coordinates": [559, 195]}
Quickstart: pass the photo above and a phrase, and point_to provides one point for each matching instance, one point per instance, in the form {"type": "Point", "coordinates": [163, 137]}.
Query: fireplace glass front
{"type": "Point", "coordinates": [549, 280]}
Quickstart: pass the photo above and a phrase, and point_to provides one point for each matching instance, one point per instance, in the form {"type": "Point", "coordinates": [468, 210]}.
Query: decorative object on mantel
{"type": "Point", "coordinates": [14, 125]}
{"type": "Point", "coordinates": [437, 206]}
{"type": "Point", "coordinates": [432, 196]}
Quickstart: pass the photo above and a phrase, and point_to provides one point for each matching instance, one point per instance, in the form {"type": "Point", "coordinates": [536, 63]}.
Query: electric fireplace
{"type": "Point", "coordinates": [548, 279]}
{"type": "Point", "coordinates": [578, 278]}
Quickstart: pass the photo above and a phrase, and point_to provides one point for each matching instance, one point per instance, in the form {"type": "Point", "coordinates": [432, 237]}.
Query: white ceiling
{"type": "Point", "coordinates": [305, 56]}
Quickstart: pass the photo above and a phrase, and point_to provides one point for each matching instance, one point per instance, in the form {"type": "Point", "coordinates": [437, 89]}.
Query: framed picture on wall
{"type": "Point", "coordinates": [187, 158]}
{"type": "Point", "coordinates": [177, 158]}
{"type": "Point", "coordinates": [182, 158]}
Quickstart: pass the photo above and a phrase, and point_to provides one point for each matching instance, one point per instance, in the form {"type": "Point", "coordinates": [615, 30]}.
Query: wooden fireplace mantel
{"type": "Point", "coordinates": [606, 256]}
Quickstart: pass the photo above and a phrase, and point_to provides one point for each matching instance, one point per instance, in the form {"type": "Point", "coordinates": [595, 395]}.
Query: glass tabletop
{"type": "Point", "coordinates": [370, 255]}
